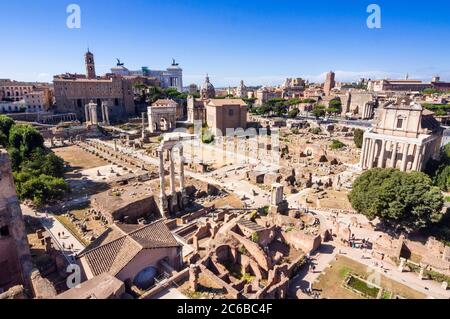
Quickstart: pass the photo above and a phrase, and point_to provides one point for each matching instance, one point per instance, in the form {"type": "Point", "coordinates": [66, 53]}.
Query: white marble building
{"type": "Point", "coordinates": [403, 136]}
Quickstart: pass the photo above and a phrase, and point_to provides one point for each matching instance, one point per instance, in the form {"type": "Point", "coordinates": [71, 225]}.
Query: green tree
{"type": "Point", "coordinates": [3, 139]}
{"type": "Point", "coordinates": [6, 123]}
{"type": "Point", "coordinates": [403, 200]}
{"type": "Point", "coordinates": [42, 162]}
{"type": "Point", "coordinates": [336, 104]}
{"type": "Point", "coordinates": [358, 136]}
{"type": "Point", "coordinates": [319, 110]}
{"type": "Point", "coordinates": [25, 138]}
{"type": "Point", "coordinates": [41, 189]}
{"type": "Point", "coordinates": [442, 178]}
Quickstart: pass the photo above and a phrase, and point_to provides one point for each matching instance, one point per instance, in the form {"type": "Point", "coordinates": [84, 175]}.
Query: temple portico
{"type": "Point", "coordinates": [406, 154]}
{"type": "Point", "coordinates": [403, 137]}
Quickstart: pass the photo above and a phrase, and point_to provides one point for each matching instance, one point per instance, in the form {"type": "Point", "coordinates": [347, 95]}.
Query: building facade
{"type": "Point", "coordinates": [40, 99]}
{"type": "Point", "coordinates": [25, 96]}
{"type": "Point", "coordinates": [403, 136]}
{"type": "Point", "coordinates": [397, 85]}
{"type": "Point", "coordinates": [172, 77]}
{"type": "Point", "coordinates": [74, 91]}
{"type": "Point", "coordinates": [223, 114]}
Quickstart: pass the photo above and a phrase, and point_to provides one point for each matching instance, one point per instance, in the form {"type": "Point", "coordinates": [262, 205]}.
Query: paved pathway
{"type": "Point", "coordinates": [62, 243]}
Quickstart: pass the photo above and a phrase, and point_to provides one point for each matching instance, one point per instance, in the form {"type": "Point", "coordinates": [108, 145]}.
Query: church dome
{"type": "Point", "coordinates": [207, 90]}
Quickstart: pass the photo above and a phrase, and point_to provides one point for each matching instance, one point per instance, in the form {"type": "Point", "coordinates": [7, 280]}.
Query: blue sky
{"type": "Point", "coordinates": [261, 41]}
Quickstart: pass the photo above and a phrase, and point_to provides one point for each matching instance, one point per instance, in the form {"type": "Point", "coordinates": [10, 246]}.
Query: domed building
{"type": "Point", "coordinates": [207, 90]}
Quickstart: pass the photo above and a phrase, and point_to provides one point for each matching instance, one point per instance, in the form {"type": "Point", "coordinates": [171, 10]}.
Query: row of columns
{"type": "Point", "coordinates": [372, 148]}
{"type": "Point", "coordinates": [173, 192]}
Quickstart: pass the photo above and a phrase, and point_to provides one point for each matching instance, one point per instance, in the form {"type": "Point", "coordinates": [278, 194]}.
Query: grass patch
{"type": "Point", "coordinates": [363, 287]}
{"type": "Point", "coordinates": [331, 281]}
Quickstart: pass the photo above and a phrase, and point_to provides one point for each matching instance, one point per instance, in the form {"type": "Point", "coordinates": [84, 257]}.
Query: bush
{"type": "Point", "coordinates": [315, 130]}
{"type": "Point", "coordinates": [293, 113]}
{"type": "Point", "coordinates": [336, 144]}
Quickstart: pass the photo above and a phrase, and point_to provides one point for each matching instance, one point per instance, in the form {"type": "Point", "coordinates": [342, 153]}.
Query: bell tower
{"type": "Point", "coordinates": [90, 65]}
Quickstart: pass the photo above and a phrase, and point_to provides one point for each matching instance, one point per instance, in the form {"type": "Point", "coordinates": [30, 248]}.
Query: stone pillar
{"type": "Point", "coordinates": [143, 125]}
{"type": "Point", "coordinates": [172, 173]}
{"type": "Point", "coordinates": [382, 152]}
{"type": "Point", "coordinates": [363, 151]}
{"type": "Point", "coordinates": [194, 272]}
{"type": "Point", "coordinates": [404, 157]}
{"type": "Point", "coordinates": [402, 264]}
{"type": "Point", "coordinates": [394, 155]}
{"type": "Point", "coordinates": [277, 194]}
{"type": "Point", "coordinates": [372, 153]}
{"type": "Point", "coordinates": [417, 153]}
{"type": "Point", "coordinates": [162, 182]}
{"type": "Point", "coordinates": [422, 271]}
{"type": "Point", "coordinates": [103, 113]}
{"type": "Point", "coordinates": [173, 190]}
{"type": "Point", "coordinates": [86, 113]}
{"type": "Point", "coordinates": [150, 120]}
{"type": "Point", "coordinates": [181, 177]}
{"type": "Point", "coordinates": [93, 113]}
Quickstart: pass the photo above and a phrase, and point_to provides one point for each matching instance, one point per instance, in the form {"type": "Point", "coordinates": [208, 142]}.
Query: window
{"type": "Point", "coordinates": [4, 231]}
{"type": "Point", "coordinates": [230, 112]}
{"type": "Point", "coordinates": [399, 123]}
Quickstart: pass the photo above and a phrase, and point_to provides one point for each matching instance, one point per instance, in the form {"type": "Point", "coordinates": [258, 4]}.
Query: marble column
{"type": "Point", "coordinates": [162, 181]}
{"type": "Point", "coordinates": [363, 151]}
{"type": "Point", "coordinates": [86, 113]}
{"type": "Point", "coordinates": [173, 190]}
{"type": "Point", "coordinates": [421, 156]}
{"type": "Point", "coordinates": [382, 153]}
{"type": "Point", "coordinates": [372, 153]}
{"type": "Point", "coordinates": [404, 156]}
{"type": "Point", "coordinates": [184, 198]}
{"type": "Point", "coordinates": [394, 155]}
{"type": "Point", "coordinates": [106, 109]}
{"type": "Point", "coordinates": [182, 186]}
{"type": "Point", "coordinates": [143, 126]}
{"type": "Point", "coordinates": [417, 150]}
{"type": "Point", "coordinates": [103, 113]}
